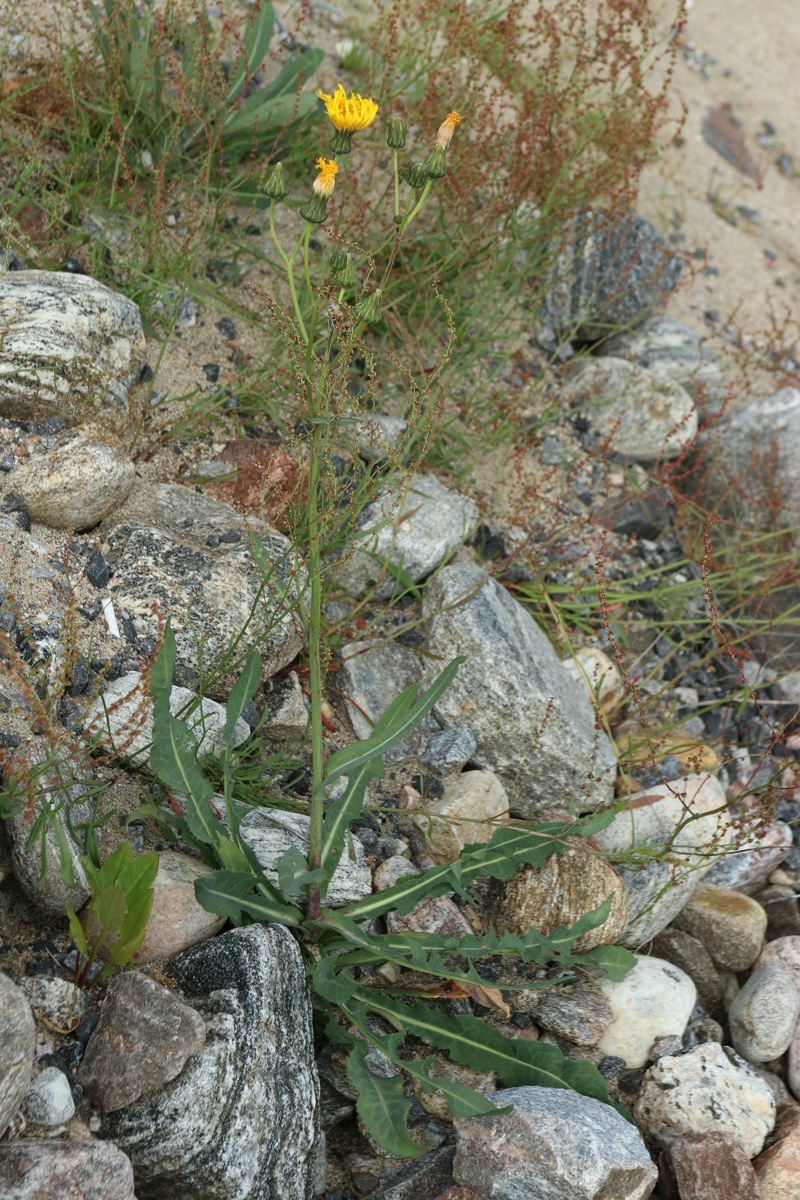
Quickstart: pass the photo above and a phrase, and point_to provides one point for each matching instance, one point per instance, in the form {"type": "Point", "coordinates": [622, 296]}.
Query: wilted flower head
{"type": "Point", "coordinates": [347, 114]}
{"type": "Point", "coordinates": [446, 129]}
{"type": "Point", "coordinates": [315, 208]}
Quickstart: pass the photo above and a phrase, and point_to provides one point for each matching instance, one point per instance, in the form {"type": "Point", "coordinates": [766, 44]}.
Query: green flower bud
{"type": "Point", "coordinates": [315, 208]}
{"type": "Point", "coordinates": [341, 142]}
{"type": "Point", "coordinates": [415, 174]}
{"type": "Point", "coordinates": [435, 164]}
{"type": "Point", "coordinates": [396, 134]}
{"type": "Point", "coordinates": [338, 260]}
{"type": "Point", "coordinates": [368, 310]}
{"type": "Point", "coordinates": [346, 278]}
{"type": "Point", "coordinates": [275, 187]}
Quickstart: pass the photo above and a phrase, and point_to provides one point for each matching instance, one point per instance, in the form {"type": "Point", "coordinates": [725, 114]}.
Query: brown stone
{"type": "Point", "coordinates": [266, 481]}
{"type": "Point", "coordinates": [177, 922]}
{"type": "Point", "coordinates": [436, 915]}
{"type": "Point", "coordinates": [52, 1169]}
{"type": "Point", "coordinates": [569, 885]}
{"type": "Point", "coordinates": [688, 953]}
{"type": "Point", "coordinates": [707, 1166]}
{"type": "Point", "coordinates": [143, 1038]}
{"type": "Point", "coordinates": [730, 925]}
{"type": "Point", "coordinates": [783, 912]}
{"type": "Point", "coordinates": [778, 1168]}
{"type": "Point", "coordinates": [723, 133]}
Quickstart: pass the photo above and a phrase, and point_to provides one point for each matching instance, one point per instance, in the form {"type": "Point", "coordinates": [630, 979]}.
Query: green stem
{"type": "Point", "coordinates": [306, 240]}
{"type": "Point", "coordinates": [410, 217]}
{"type": "Point", "coordinates": [287, 262]}
{"type": "Point", "coordinates": [396, 186]}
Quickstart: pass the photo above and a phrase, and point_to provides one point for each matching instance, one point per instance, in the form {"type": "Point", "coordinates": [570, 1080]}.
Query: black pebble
{"type": "Point", "coordinates": [73, 267]}
{"type": "Point", "coordinates": [226, 327]}
{"type": "Point", "coordinates": [231, 537]}
{"type": "Point", "coordinates": [86, 1028]}
{"type": "Point", "coordinates": [211, 371]}
{"type": "Point", "coordinates": [7, 462]}
{"type": "Point", "coordinates": [39, 968]}
{"type": "Point", "coordinates": [146, 373]}
{"type": "Point", "coordinates": [212, 540]}
{"type": "Point", "coordinates": [97, 570]}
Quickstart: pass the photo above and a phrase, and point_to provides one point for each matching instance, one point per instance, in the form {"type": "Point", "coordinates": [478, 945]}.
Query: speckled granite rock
{"type": "Point", "coordinates": [16, 1048]}
{"type": "Point", "coordinates": [55, 1169]}
{"type": "Point", "coordinates": [71, 346]}
{"type": "Point", "coordinates": [653, 1001]}
{"type": "Point", "coordinates": [270, 835]}
{"type": "Point", "coordinates": [371, 675]}
{"type": "Point", "coordinates": [256, 1072]}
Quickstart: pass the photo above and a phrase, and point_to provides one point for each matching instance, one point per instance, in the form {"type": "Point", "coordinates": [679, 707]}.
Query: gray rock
{"type": "Point", "coordinates": [56, 1169]}
{"type": "Point", "coordinates": [60, 1001]}
{"type": "Point", "coordinates": [286, 716]}
{"type": "Point", "coordinates": [425, 1179]}
{"type": "Point", "coordinates": [371, 677]}
{"type": "Point", "coordinates": [121, 719]}
{"type": "Point", "coordinates": [655, 1000]}
{"type": "Point", "coordinates": [555, 1144]}
{"type": "Point", "coordinates": [379, 436]}
{"type": "Point", "coordinates": [709, 1090]}
{"type": "Point", "coordinates": [611, 272]}
{"type": "Point", "coordinates": [763, 1015]}
{"type": "Point", "coordinates": [415, 527]}
{"type": "Point", "coordinates": [473, 805]}
{"type": "Point", "coordinates": [449, 750]}
{"type": "Point", "coordinates": [533, 724]}
{"type": "Point", "coordinates": [49, 1098]}
{"type": "Point", "coordinates": [631, 410]}
{"type": "Point", "coordinates": [391, 871]}
{"type": "Point", "coordinates": [16, 1048]}
{"type": "Point", "coordinates": [671, 351]}
{"type": "Point", "coordinates": [242, 1118]}
{"type": "Point", "coordinates": [270, 833]}
{"type": "Point", "coordinates": [688, 953]}
{"type": "Point", "coordinates": [569, 1011]}
{"type": "Point", "coordinates": [210, 594]}
{"type": "Point", "coordinates": [143, 1039]}
{"type": "Point", "coordinates": [78, 481]}
{"type": "Point", "coordinates": [71, 346]}
{"type": "Point", "coordinates": [757, 855]}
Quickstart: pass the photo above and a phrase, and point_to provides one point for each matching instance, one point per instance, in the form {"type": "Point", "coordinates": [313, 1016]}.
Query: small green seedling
{"type": "Point", "coordinates": [117, 914]}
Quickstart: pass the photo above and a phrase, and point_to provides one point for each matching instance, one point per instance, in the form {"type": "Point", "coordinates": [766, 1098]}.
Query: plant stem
{"type": "Point", "coordinates": [287, 262]}
{"type": "Point", "coordinates": [396, 186]}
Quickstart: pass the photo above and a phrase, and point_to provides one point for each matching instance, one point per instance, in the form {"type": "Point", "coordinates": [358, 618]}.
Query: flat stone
{"type": "Point", "coordinates": [777, 1167]}
{"type": "Point", "coordinates": [256, 1072]}
{"type": "Point", "coordinates": [71, 346]}
{"type": "Point", "coordinates": [270, 834]}
{"type": "Point", "coordinates": [631, 410]}
{"type": "Point", "coordinates": [77, 482]}
{"type": "Point", "coordinates": [709, 1090]}
{"type": "Point", "coordinates": [438, 915]}
{"type": "Point", "coordinates": [654, 1000]}
{"type": "Point", "coordinates": [555, 1144]}
{"type": "Point", "coordinates": [706, 1166]}
{"type": "Point", "coordinates": [764, 1014]}
{"type": "Point", "coordinates": [670, 350]}
{"type": "Point", "coordinates": [569, 885]}
{"type": "Point", "coordinates": [176, 922]}
{"type": "Point", "coordinates": [533, 724]}
{"type": "Point", "coordinates": [611, 271]}
{"type": "Point", "coordinates": [688, 953]}
{"type": "Point", "coordinates": [449, 750]}
{"type": "Point", "coordinates": [569, 1011]}
{"type": "Point", "coordinates": [49, 1098]}
{"type": "Point", "coordinates": [380, 436]}
{"type": "Point", "coordinates": [58, 1000]}
{"type": "Point", "coordinates": [372, 675]}
{"type": "Point", "coordinates": [17, 1030]}
{"type": "Point", "coordinates": [423, 1179]}
{"type": "Point", "coordinates": [143, 1040]}
{"type": "Point", "coordinates": [724, 134]}
{"type": "Point", "coordinates": [121, 719]}
{"type": "Point", "coordinates": [286, 716]}
{"type": "Point", "coordinates": [57, 1169]}
{"type": "Point", "coordinates": [415, 527]}
{"type": "Point", "coordinates": [467, 814]}
{"type": "Point", "coordinates": [731, 926]}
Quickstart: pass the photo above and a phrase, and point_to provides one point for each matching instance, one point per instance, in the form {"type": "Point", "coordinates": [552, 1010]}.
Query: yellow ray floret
{"type": "Point", "coordinates": [445, 134]}
{"type": "Point", "coordinates": [349, 113]}
{"type": "Point", "coordinates": [325, 181]}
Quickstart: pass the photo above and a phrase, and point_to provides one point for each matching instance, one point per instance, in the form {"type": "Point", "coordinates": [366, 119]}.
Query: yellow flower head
{"type": "Point", "coordinates": [349, 113]}
{"type": "Point", "coordinates": [326, 180]}
{"type": "Point", "coordinates": [446, 129]}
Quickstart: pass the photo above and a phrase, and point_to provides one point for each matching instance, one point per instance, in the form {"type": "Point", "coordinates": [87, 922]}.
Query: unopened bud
{"type": "Point", "coordinates": [396, 134]}
{"type": "Point", "coordinates": [415, 174]}
{"type": "Point", "coordinates": [275, 187]}
{"type": "Point", "coordinates": [338, 260]}
{"type": "Point", "coordinates": [346, 278]}
{"type": "Point", "coordinates": [435, 164]}
{"type": "Point", "coordinates": [368, 310]}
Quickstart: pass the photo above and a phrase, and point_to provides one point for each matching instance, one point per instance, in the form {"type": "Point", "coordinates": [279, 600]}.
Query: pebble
{"type": "Point", "coordinates": [177, 921]}
{"type": "Point", "coordinates": [730, 925]}
{"type": "Point", "coordinates": [707, 1166]}
{"type": "Point", "coordinates": [784, 953]}
{"type": "Point", "coordinates": [415, 529]}
{"type": "Point", "coordinates": [777, 1167]}
{"type": "Point", "coordinates": [709, 1090]}
{"type": "Point", "coordinates": [391, 871]}
{"type": "Point", "coordinates": [16, 1049]}
{"type": "Point", "coordinates": [691, 956]}
{"type": "Point", "coordinates": [555, 1144]}
{"type": "Point", "coordinates": [378, 436]}
{"type": "Point", "coordinates": [97, 570]}
{"type": "Point", "coordinates": [654, 1000]}
{"type": "Point", "coordinates": [449, 750]}
{"type": "Point", "coordinates": [571, 884]}
{"type": "Point", "coordinates": [569, 1011]}
{"type": "Point", "coordinates": [757, 855]}
{"type": "Point", "coordinates": [793, 1064]}
{"type": "Point", "coordinates": [764, 1014]}
{"type": "Point", "coordinates": [438, 915]}
{"type": "Point", "coordinates": [58, 1000]}
{"type": "Point", "coordinates": [56, 1169]}
{"type": "Point", "coordinates": [49, 1098]}
{"type": "Point", "coordinates": [779, 902]}
{"type": "Point", "coordinates": [468, 813]}
{"type": "Point", "coordinates": [142, 1041]}
{"type": "Point", "coordinates": [285, 716]}
{"type": "Point", "coordinates": [424, 1177]}
{"type": "Point", "coordinates": [534, 725]}
{"type": "Point", "coordinates": [80, 480]}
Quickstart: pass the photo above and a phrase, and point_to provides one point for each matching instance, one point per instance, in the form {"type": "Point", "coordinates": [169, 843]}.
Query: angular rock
{"type": "Point", "coordinates": [438, 915]}
{"type": "Point", "coordinates": [142, 1041]}
{"type": "Point", "coordinates": [449, 750]}
{"type": "Point", "coordinates": [77, 482]}
{"type": "Point", "coordinates": [631, 411]}
{"type": "Point", "coordinates": [611, 271]}
{"type": "Point", "coordinates": [379, 436]}
{"type": "Point", "coordinates": [709, 1090]}
{"type": "Point", "coordinates": [533, 724]}
{"type": "Point", "coordinates": [468, 813]}
{"type": "Point", "coordinates": [266, 480]}
{"type": "Point", "coordinates": [654, 1000]}
{"type": "Point", "coordinates": [556, 1144]}
{"type": "Point", "coordinates": [569, 1011]}
{"type": "Point", "coordinates": [598, 674]}
{"type": "Point", "coordinates": [71, 346]}
{"type": "Point", "coordinates": [415, 528]}
{"type": "Point", "coordinates": [49, 1098]}
{"type": "Point", "coordinates": [422, 1180]}
{"type": "Point", "coordinates": [59, 1001]}
{"type": "Point", "coordinates": [17, 1031]}
{"type": "Point", "coordinates": [706, 1166]}
{"type": "Point", "coordinates": [730, 926]}
{"type": "Point", "coordinates": [686, 952]}
{"type": "Point", "coordinates": [255, 1072]}
{"type": "Point", "coordinates": [764, 1014]}
{"type": "Point", "coordinates": [121, 719]}
{"type": "Point", "coordinates": [568, 886]}
{"type": "Point", "coordinates": [757, 855]}
{"type": "Point", "coordinates": [777, 1167]}
{"type": "Point", "coordinates": [286, 716]}
{"type": "Point", "coordinates": [270, 833]}
{"type": "Point", "coordinates": [672, 351]}
{"type": "Point", "coordinates": [371, 677]}
{"type": "Point", "coordinates": [54, 1169]}
{"type": "Point", "coordinates": [176, 922]}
